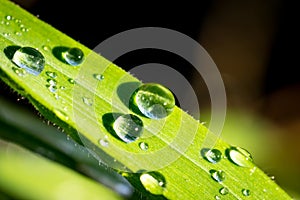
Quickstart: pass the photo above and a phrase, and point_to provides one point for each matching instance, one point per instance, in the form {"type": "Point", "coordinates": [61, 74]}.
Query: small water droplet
{"type": "Point", "coordinates": [224, 191]}
{"type": "Point", "coordinates": [19, 71]}
{"type": "Point", "coordinates": [51, 81]}
{"type": "Point", "coordinates": [74, 56]}
{"type": "Point", "coordinates": [153, 100]}
{"type": "Point", "coordinates": [143, 146]}
{"type": "Point", "coordinates": [103, 142]}
{"type": "Point", "coordinates": [62, 87]}
{"type": "Point", "coordinates": [23, 29]}
{"type": "Point", "coordinates": [72, 81]}
{"type": "Point", "coordinates": [46, 47]}
{"type": "Point", "coordinates": [217, 197]}
{"type": "Point", "coordinates": [128, 127]}
{"type": "Point", "coordinates": [239, 156]}
{"type": "Point", "coordinates": [6, 34]}
{"type": "Point", "coordinates": [8, 17]}
{"type": "Point", "coordinates": [213, 155]}
{"type": "Point", "coordinates": [18, 33]}
{"type": "Point", "coordinates": [272, 178]}
{"type": "Point", "coordinates": [52, 88]}
{"type": "Point", "coordinates": [154, 182]}
{"type": "Point", "coordinates": [99, 77]}
{"type": "Point", "coordinates": [18, 21]}
{"type": "Point", "coordinates": [68, 137]}
{"type": "Point", "coordinates": [29, 59]}
{"type": "Point", "coordinates": [217, 175]}
{"type": "Point", "coordinates": [87, 101]}
{"type": "Point", "coordinates": [246, 192]}
{"type": "Point", "coordinates": [51, 74]}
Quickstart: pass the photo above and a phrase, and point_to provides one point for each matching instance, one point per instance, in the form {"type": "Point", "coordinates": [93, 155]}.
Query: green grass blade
{"type": "Point", "coordinates": [187, 177]}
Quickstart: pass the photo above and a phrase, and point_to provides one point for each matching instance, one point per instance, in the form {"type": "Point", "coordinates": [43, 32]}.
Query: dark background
{"type": "Point", "coordinates": [254, 44]}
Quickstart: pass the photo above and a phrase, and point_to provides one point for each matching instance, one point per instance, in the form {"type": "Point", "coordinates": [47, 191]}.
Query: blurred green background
{"type": "Point", "coordinates": [253, 43]}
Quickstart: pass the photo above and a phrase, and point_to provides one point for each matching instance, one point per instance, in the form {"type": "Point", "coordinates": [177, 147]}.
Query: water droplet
{"type": "Point", "coordinates": [143, 146]}
{"type": "Point", "coordinates": [19, 71]}
{"type": "Point", "coordinates": [74, 56]}
{"type": "Point", "coordinates": [62, 87]}
{"type": "Point", "coordinates": [52, 88]}
{"type": "Point", "coordinates": [23, 29]}
{"type": "Point", "coordinates": [8, 17]}
{"type": "Point", "coordinates": [30, 59]}
{"type": "Point", "coordinates": [154, 182]}
{"type": "Point", "coordinates": [99, 77]}
{"type": "Point", "coordinates": [51, 74]}
{"type": "Point", "coordinates": [272, 178]}
{"type": "Point", "coordinates": [224, 191]}
{"type": "Point", "coordinates": [18, 33]}
{"type": "Point", "coordinates": [87, 101]}
{"type": "Point", "coordinates": [246, 192]}
{"type": "Point", "coordinates": [217, 197]}
{"type": "Point", "coordinates": [217, 175]}
{"type": "Point", "coordinates": [72, 81]}
{"type": "Point", "coordinates": [46, 47]}
{"type": "Point", "coordinates": [153, 100]}
{"type": "Point", "coordinates": [6, 34]}
{"type": "Point", "coordinates": [7, 23]}
{"type": "Point", "coordinates": [103, 142]}
{"type": "Point", "coordinates": [51, 81]}
{"type": "Point", "coordinates": [128, 127]}
{"type": "Point", "coordinates": [213, 155]}
{"type": "Point", "coordinates": [239, 156]}
{"type": "Point", "coordinates": [18, 21]}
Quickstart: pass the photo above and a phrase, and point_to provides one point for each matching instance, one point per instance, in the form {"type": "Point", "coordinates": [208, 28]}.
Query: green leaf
{"type": "Point", "coordinates": [86, 109]}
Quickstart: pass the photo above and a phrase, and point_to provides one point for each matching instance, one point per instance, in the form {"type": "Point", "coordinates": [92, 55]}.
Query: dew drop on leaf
{"type": "Point", "coordinates": [153, 100]}
{"type": "Point", "coordinates": [224, 191]}
{"type": "Point", "coordinates": [154, 182]}
{"type": "Point", "coordinates": [99, 77]}
{"type": "Point", "coordinates": [239, 156]}
{"type": "Point", "coordinates": [29, 59]}
{"type": "Point", "coordinates": [217, 175]}
{"type": "Point", "coordinates": [213, 155]}
{"type": "Point", "coordinates": [104, 142]}
{"type": "Point", "coordinates": [87, 101]}
{"type": "Point", "coordinates": [128, 127]}
{"type": "Point", "coordinates": [246, 192]}
{"type": "Point", "coordinates": [51, 74]}
{"type": "Point", "coordinates": [73, 56]}
{"type": "Point", "coordinates": [143, 146]}
{"type": "Point", "coordinates": [19, 71]}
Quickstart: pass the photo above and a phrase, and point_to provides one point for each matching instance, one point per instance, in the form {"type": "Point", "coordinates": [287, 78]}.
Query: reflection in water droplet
{"type": "Point", "coordinates": [246, 192]}
{"type": "Point", "coordinates": [87, 101]}
{"type": "Point", "coordinates": [224, 191]}
{"type": "Point", "coordinates": [213, 155]}
{"type": "Point", "coordinates": [154, 182]}
{"type": "Point", "coordinates": [128, 127]}
{"type": "Point", "coordinates": [218, 176]}
{"type": "Point", "coordinates": [153, 100]}
{"type": "Point", "coordinates": [30, 59]}
{"type": "Point", "coordinates": [74, 56]}
{"type": "Point", "coordinates": [239, 156]}
{"type": "Point", "coordinates": [143, 146]}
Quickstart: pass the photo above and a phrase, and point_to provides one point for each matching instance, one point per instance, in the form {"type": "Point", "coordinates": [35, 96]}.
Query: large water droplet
{"type": "Point", "coordinates": [74, 56]}
{"type": "Point", "coordinates": [128, 127]}
{"type": "Point", "coordinates": [246, 192]}
{"type": "Point", "coordinates": [239, 156]}
{"type": "Point", "coordinates": [153, 100]}
{"type": "Point", "coordinates": [217, 175]}
{"type": "Point", "coordinates": [224, 191]}
{"type": "Point", "coordinates": [30, 59]}
{"type": "Point", "coordinates": [143, 146]}
{"type": "Point", "coordinates": [213, 155]}
{"type": "Point", "coordinates": [153, 182]}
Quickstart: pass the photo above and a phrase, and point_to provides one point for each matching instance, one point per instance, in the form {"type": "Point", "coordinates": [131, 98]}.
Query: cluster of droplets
{"type": "Point", "coordinates": [236, 155]}
{"type": "Point", "coordinates": [10, 20]}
